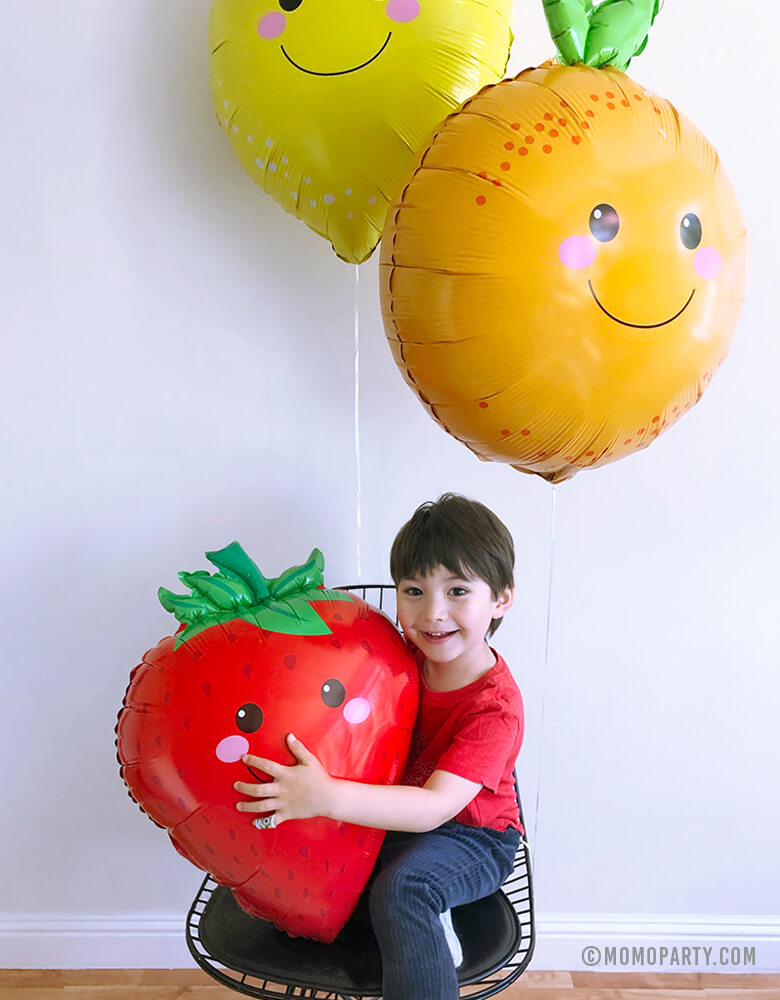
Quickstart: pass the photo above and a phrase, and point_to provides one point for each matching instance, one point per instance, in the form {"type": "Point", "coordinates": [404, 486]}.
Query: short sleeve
{"type": "Point", "coordinates": [484, 745]}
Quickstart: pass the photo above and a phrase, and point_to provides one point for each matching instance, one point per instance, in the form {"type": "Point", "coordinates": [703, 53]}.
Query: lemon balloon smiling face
{"type": "Point", "coordinates": [327, 101]}
{"type": "Point", "coordinates": [563, 274]}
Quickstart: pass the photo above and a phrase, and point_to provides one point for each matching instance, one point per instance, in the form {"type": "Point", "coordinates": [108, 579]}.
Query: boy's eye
{"type": "Point", "coordinates": [413, 591]}
{"type": "Point", "coordinates": [458, 591]}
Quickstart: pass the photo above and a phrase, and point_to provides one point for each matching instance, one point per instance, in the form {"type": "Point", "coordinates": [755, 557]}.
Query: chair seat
{"type": "Point", "coordinates": [488, 929]}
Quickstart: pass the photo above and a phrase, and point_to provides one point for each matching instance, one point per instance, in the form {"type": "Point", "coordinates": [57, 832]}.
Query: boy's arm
{"type": "Point", "coordinates": [306, 789]}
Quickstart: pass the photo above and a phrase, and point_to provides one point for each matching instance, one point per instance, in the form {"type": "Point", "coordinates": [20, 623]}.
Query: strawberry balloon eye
{"type": "Point", "coordinates": [249, 718]}
{"type": "Point", "coordinates": [333, 693]}
{"type": "Point", "coordinates": [604, 223]}
{"type": "Point", "coordinates": [690, 231]}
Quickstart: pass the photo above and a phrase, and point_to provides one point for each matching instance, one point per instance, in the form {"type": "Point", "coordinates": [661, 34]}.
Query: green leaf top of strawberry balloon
{"type": "Point", "coordinates": [609, 33]}
{"type": "Point", "coordinates": [239, 590]}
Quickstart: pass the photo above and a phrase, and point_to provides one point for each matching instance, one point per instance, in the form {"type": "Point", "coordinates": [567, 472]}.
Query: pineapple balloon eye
{"type": "Point", "coordinates": [690, 231]}
{"type": "Point", "coordinates": [604, 223]}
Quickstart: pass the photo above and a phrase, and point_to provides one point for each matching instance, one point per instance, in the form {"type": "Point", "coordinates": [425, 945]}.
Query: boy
{"type": "Point", "coordinates": [455, 816]}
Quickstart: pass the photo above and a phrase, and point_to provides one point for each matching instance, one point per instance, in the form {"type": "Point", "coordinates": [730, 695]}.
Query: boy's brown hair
{"type": "Point", "coordinates": [461, 534]}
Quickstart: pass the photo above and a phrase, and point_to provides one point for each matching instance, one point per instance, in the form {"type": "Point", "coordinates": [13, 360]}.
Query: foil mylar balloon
{"type": "Point", "coordinates": [562, 275]}
{"type": "Point", "coordinates": [327, 103]}
{"type": "Point", "coordinates": [254, 660]}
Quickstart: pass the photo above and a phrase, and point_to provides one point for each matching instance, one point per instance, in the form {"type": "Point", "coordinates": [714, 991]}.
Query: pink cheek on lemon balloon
{"type": "Point", "coordinates": [707, 262]}
{"type": "Point", "coordinates": [271, 25]}
{"type": "Point", "coordinates": [402, 10]}
{"type": "Point", "coordinates": [577, 252]}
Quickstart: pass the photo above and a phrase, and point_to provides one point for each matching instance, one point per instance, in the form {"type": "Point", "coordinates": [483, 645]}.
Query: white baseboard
{"type": "Point", "coordinates": [667, 943]}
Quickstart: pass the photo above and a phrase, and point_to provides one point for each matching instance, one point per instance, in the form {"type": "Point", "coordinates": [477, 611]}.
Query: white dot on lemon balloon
{"type": "Point", "coordinates": [307, 180]}
{"type": "Point", "coordinates": [329, 199]}
{"type": "Point", "coordinates": [348, 192]}
{"type": "Point", "coordinates": [269, 143]}
{"type": "Point", "coordinates": [272, 167]}
{"type": "Point", "coordinates": [294, 195]}
{"type": "Point", "coordinates": [260, 163]}
{"type": "Point", "coordinates": [350, 215]}
{"type": "Point", "coordinates": [219, 83]}
{"type": "Point", "coordinates": [313, 203]}
{"type": "Point", "coordinates": [235, 128]}
{"type": "Point", "coordinates": [285, 160]}
{"type": "Point", "coordinates": [372, 201]}
{"type": "Point", "coordinates": [250, 138]}
{"type": "Point", "coordinates": [224, 104]}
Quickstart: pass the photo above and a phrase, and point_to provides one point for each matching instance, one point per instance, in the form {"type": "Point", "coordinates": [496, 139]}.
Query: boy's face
{"type": "Point", "coordinates": [447, 616]}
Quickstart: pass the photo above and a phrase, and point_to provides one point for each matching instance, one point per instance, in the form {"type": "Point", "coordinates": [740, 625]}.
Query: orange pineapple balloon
{"type": "Point", "coordinates": [562, 274]}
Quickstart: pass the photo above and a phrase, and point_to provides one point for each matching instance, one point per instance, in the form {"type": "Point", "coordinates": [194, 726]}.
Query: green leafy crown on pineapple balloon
{"type": "Point", "coordinates": [239, 590]}
{"type": "Point", "coordinates": [609, 33]}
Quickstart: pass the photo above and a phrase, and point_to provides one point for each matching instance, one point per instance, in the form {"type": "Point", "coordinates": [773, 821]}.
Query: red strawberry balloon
{"type": "Point", "coordinates": [253, 660]}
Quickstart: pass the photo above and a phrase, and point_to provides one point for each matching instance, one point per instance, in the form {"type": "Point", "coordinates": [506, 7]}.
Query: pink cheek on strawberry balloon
{"type": "Point", "coordinates": [357, 710]}
{"type": "Point", "coordinates": [577, 252]}
{"type": "Point", "coordinates": [707, 262]}
{"type": "Point", "coordinates": [271, 25]}
{"type": "Point", "coordinates": [232, 748]}
{"type": "Point", "coordinates": [402, 10]}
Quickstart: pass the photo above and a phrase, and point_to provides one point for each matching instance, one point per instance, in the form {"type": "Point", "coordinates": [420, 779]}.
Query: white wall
{"type": "Point", "coordinates": [178, 372]}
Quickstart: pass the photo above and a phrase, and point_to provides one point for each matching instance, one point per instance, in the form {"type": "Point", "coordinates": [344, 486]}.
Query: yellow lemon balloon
{"type": "Point", "coordinates": [563, 273]}
{"type": "Point", "coordinates": [326, 102]}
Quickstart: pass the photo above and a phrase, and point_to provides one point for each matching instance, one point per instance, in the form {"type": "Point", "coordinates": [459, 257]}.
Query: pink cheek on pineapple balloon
{"type": "Point", "coordinates": [402, 10]}
{"type": "Point", "coordinates": [271, 25]}
{"type": "Point", "coordinates": [707, 262]}
{"type": "Point", "coordinates": [232, 748]}
{"type": "Point", "coordinates": [577, 252]}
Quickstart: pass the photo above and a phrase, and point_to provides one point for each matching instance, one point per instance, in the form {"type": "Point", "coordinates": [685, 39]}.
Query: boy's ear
{"type": "Point", "coordinates": [504, 602]}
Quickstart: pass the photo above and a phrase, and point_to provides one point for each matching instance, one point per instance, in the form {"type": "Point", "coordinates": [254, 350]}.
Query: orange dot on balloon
{"type": "Point", "coordinates": [562, 122]}
{"type": "Point", "coordinates": [576, 140]}
{"type": "Point", "coordinates": [656, 109]}
{"type": "Point", "coordinates": [483, 174]}
{"type": "Point", "coordinates": [637, 97]}
{"type": "Point", "coordinates": [547, 116]}
{"type": "Point", "coordinates": [628, 441]}
{"type": "Point", "coordinates": [589, 453]}
{"type": "Point", "coordinates": [481, 199]}
{"type": "Point", "coordinates": [590, 113]}
{"type": "Point", "coordinates": [523, 151]}
{"type": "Point", "coordinates": [530, 140]}
{"type": "Point", "coordinates": [594, 97]}
{"type": "Point", "coordinates": [656, 419]}
{"type": "Point", "coordinates": [525, 432]}
{"type": "Point", "coordinates": [516, 126]}
{"type": "Point", "coordinates": [564, 104]}
{"type": "Point", "coordinates": [546, 149]}
{"type": "Point", "coordinates": [505, 165]}
{"type": "Point", "coordinates": [509, 145]}
{"type": "Point", "coordinates": [625, 103]}
{"type": "Point", "coordinates": [553, 133]}
{"type": "Point", "coordinates": [497, 183]}
{"type": "Point", "coordinates": [585, 124]}
{"type": "Point", "coordinates": [505, 433]}
{"type": "Point", "coordinates": [609, 94]}
{"type": "Point", "coordinates": [539, 127]}
{"type": "Point", "coordinates": [483, 404]}
{"type": "Point", "coordinates": [641, 430]}
{"type": "Point", "coordinates": [610, 105]}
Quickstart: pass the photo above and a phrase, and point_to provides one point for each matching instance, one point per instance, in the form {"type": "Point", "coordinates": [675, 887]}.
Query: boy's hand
{"type": "Point", "coordinates": [298, 792]}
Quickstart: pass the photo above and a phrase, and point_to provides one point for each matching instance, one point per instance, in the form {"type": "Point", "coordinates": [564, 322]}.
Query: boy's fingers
{"type": "Point", "coordinates": [257, 791]}
{"type": "Point", "coordinates": [258, 806]}
{"type": "Point", "coordinates": [269, 766]}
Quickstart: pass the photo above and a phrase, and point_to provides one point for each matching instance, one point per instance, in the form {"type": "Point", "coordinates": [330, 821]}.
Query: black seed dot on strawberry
{"type": "Point", "coordinates": [366, 645]}
{"type": "Point", "coordinates": [336, 643]}
{"type": "Point", "coordinates": [167, 698]}
{"type": "Point", "coordinates": [196, 654]}
{"type": "Point", "coordinates": [305, 893]}
{"type": "Point", "coordinates": [337, 617]}
{"type": "Point", "coordinates": [329, 894]}
{"type": "Point", "coordinates": [210, 849]}
{"type": "Point", "coordinates": [237, 860]}
{"type": "Point", "coordinates": [361, 839]}
{"type": "Point", "coordinates": [289, 662]}
{"type": "Point", "coordinates": [207, 688]}
{"type": "Point", "coordinates": [232, 834]}
{"type": "Point", "coordinates": [187, 724]}
{"type": "Point", "coordinates": [303, 851]}
{"type": "Point", "coordinates": [156, 781]}
{"type": "Point", "coordinates": [158, 741]}
{"type": "Point", "coordinates": [207, 821]}
{"type": "Point", "coordinates": [291, 874]}
{"type": "Point", "coordinates": [254, 851]}
{"type": "Point", "coordinates": [138, 748]}
{"type": "Point", "coordinates": [246, 670]}
{"type": "Point", "coordinates": [180, 772]}
{"type": "Point", "coordinates": [181, 803]}
{"type": "Point", "coordinates": [341, 830]}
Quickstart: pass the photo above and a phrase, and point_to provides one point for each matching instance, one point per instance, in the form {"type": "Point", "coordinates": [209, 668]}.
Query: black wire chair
{"type": "Point", "coordinates": [251, 956]}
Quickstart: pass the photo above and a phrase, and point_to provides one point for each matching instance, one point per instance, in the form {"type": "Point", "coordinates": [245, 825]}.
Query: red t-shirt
{"type": "Point", "coordinates": [474, 732]}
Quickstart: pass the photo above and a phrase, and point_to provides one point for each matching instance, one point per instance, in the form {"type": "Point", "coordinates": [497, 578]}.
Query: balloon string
{"type": "Point", "coordinates": [537, 809]}
{"type": "Point", "coordinates": [358, 483]}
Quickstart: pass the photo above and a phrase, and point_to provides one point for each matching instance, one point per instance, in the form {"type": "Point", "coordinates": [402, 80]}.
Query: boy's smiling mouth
{"type": "Point", "coordinates": [639, 326]}
{"type": "Point", "coordinates": [338, 72]}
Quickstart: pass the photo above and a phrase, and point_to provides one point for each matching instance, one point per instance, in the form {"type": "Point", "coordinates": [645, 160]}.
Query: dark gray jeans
{"type": "Point", "coordinates": [417, 877]}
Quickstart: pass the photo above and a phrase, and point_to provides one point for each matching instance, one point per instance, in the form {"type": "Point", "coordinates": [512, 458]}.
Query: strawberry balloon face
{"type": "Point", "coordinates": [255, 660]}
{"type": "Point", "coordinates": [563, 274]}
{"type": "Point", "coordinates": [326, 103]}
